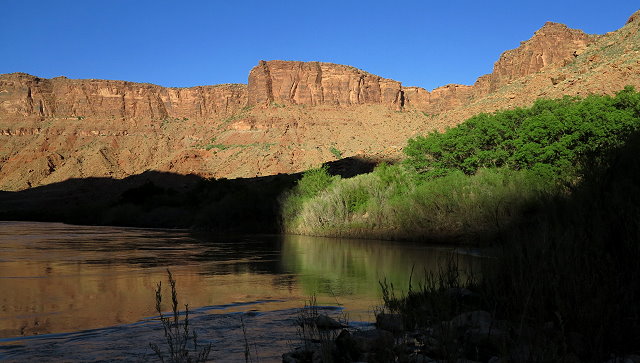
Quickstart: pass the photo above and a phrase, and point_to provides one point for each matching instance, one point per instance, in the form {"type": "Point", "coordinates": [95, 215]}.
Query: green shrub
{"type": "Point", "coordinates": [313, 181]}
{"type": "Point", "coordinates": [216, 146]}
{"type": "Point", "coordinates": [337, 153]}
{"type": "Point", "coordinates": [556, 133]}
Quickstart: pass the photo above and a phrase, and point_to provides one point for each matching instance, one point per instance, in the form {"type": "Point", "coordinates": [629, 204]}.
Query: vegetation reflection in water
{"type": "Point", "coordinates": [344, 267]}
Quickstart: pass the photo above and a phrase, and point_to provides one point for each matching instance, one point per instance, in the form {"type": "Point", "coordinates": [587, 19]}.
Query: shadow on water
{"type": "Point", "coordinates": [159, 199]}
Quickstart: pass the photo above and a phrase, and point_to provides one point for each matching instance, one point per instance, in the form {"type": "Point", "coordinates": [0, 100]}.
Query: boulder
{"type": "Point", "coordinates": [475, 319]}
{"type": "Point", "coordinates": [370, 340]}
{"type": "Point", "coordinates": [389, 322]}
{"type": "Point", "coordinates": [323, 322]}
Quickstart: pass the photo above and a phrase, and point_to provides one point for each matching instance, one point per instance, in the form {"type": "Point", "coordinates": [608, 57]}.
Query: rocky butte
{"type": "Point", "coordinates": [289, 117]}
{"type": "Point", "coordinates": [316, 83]}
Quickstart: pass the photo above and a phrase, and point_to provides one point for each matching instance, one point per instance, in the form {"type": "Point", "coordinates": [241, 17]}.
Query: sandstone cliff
{"type": "Point", "coordinates": [279, 82]}
{"type": "Point", "coordinates": [553, 44]}
{"type": "Point", "coordinates": [290, 116]}
{"type": "Point", "coordinates": [316, 83]}
{"type": "Point", "coordinates": [25, 95]}
{"type": "Point", "coordinates": [439, 100]}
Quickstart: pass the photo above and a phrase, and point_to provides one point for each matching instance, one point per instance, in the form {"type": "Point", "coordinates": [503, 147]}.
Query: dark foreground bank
{"type": "Point", "coordinates": [165, 200]}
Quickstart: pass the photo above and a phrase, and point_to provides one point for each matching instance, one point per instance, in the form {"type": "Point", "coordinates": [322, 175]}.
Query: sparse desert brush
{"type": "Point", "coordinates": [337, 153]}
{"type": "Point", "coordinates": [181, 340]}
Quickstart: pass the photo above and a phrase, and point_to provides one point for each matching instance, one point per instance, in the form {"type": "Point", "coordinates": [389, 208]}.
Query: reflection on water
{"type": "Point", "coordinates": [354, 268]}
{"type": "Point", "coordinates": [65, 281]}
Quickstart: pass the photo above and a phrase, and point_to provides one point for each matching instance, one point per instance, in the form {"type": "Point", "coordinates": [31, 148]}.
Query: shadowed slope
{"type": "Point", "coordinates": [157, 199]}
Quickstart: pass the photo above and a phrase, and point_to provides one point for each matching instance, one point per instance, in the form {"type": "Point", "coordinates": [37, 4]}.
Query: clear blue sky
{"type": "Point", "coordinates": [189, 43]}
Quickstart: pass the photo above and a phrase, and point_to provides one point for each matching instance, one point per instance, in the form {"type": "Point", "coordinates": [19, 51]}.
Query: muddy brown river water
{"type": "Point", "coordinates": [86, 293]}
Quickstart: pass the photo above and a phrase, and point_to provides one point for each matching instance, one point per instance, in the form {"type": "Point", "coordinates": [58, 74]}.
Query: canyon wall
{"type": "Point", "coordinates": [554, 43]}
{"type": "Point", "coordinates": [25, 95]}
{"type": "Point", "coordinates": [316, 83]}
{"type": "Point", "coordinates": [55, 129]}
{"type": "Point", "coordinates": [278, 82]}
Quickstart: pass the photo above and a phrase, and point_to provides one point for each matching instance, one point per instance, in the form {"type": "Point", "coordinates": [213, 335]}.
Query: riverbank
{"type": "Point", "coordinates": [472, 183]}
{"type": "Point", "coordinates": [565, 286]}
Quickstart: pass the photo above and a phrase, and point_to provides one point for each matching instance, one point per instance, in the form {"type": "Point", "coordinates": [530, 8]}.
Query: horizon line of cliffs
{"type": "Point", "coordinates": [276, 81]}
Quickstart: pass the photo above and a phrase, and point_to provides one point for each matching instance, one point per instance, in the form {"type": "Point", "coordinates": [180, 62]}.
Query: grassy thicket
{"type": "Point", "coordinates": [393, 203]}
{"type": "Point", "coordinates": [472, 181]}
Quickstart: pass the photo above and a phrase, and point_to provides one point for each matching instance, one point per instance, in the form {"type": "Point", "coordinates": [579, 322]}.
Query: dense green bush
{"type": "Point", "coordinates": [313, 181]}
{"type": "Point", "coordinates": [552, 136]}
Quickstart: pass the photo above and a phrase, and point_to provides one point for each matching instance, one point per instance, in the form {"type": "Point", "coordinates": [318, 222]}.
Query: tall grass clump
{"type": "Point", "coordinates": [460, 207]}
{"type": "Point", "coordinates": [309, 186]}
{"type": "Point", "coordinates": [434, 298]}
{"type": "Point", "coordinates": [392, 202]}
{"type": "Point", "coordinates": [180, 338]}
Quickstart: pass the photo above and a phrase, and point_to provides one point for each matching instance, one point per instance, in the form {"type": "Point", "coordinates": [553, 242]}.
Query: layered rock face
{"type": "Point", "coordinates": [280, 82]}
{"type": "Point", "coordinates": [552, 44]}
{"type": "Point", "coordinates": [25, 95]}
{"type": "Point", "coordinates": [316, 83]}
{"type": "Point", "coordinates": [439, 100]}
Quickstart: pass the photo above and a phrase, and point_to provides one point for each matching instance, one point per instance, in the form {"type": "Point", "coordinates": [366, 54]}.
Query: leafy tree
{"type": "Point", "coordinates": [313, 181]}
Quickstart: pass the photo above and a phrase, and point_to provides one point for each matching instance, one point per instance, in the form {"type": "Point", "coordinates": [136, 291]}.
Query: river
{"type": "Point", "coordinates": [86, 293]}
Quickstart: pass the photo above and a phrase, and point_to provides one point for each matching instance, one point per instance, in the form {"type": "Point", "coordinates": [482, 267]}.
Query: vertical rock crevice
{"type": "Point", "coordinates": [29, 100]}
{"type": "Point", "coordinates": [319, 85]}
{"type": "Point", "coordinates": [269, 83]}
